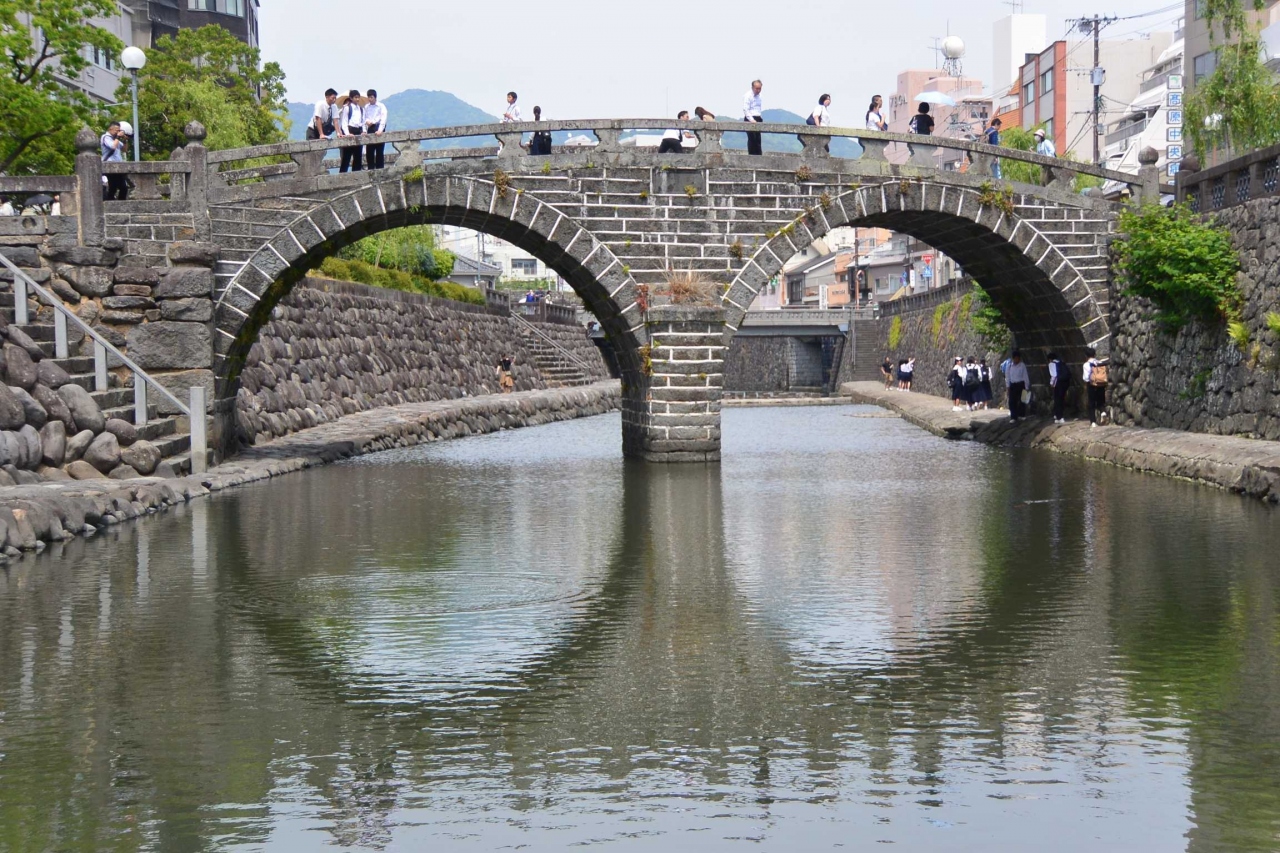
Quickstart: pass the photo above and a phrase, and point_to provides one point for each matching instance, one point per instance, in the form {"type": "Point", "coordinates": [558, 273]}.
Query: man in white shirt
{"type": "Point", "coordinates": [351, 124]}
{"type": "Point", "coordinates": [6, 207]}
{"type": "Point", "coordinates": [1045, 146]}
{"type": "Point", "coordinates": [375, 122]}
{"type": "Point", "coordinates": [512, 112]}
{"type": "Point", "coordinates": [1017, 380]}
{"type": "Point", "coordinates": [112, 145]}
{"type": "Point", "coordinates": [324, 117]}
{"type": "Point", "coordinates": [673, 139]}
{"type": "Point", "coordinates": [753, 111]}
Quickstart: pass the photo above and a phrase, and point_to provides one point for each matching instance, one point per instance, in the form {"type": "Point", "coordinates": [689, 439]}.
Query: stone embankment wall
{"type": "Point", "coordinates": [1198, 379]}
{"type": "Point", "coordinates": [336, 348]}
{"type": "Point", "coordinates": [934, 328]}
{"type": "Point", "coordinates": [764, 365]}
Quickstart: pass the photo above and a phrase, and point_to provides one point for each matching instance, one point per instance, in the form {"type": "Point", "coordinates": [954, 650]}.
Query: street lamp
{"type": "Point", "coordinates": [133, 58]}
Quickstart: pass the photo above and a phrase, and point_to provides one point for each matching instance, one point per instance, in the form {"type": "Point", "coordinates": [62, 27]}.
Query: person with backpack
{"type": "Point", "coordinates": [1060, 384]}
{"type": "Point", "coordinates": [991, 136]}
{"type": "Point", "coordinates": [540, 141]}
{"type": "Point", "coordinates": [351, 125]}
{"type": "Point", "coordinates": [1095, 380]}
{"type": "Point", "coordinates": [955, 381]}
{"type": "Point", "coordinates": [983, 395]}
{"type": "Point", "coordinates": [922, 122]}
{"type": "Point", "coordinates": [820, 117]}
{"type": "Point", "coordinates": [972, 383]}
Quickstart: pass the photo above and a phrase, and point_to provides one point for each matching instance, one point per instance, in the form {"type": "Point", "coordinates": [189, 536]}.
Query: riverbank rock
{"type": "Point", "coordinates": [81, 470]}
{"type": "Point", "coordinates": [125, 432]}
{"type": "Point", "coordinates": [55, 406]}
{"type": "Point", "coordinates": [142, 456]}
{"type": "Point", "coordinates": [51, 375]}
{"type": "Point", "coordinates": [19, 368]}
{"type": "Point", "coordinates": [103, 452]}
{"type": "Point", "coordinates": [33, 413]}
{"type": "Point", "coordinates": [12, 415]}
{"type": "Point", "coordinates": [53, 443]}
{"type": "Point", "coordinates": [77, 445]}
{"type": "Point", "coordinates": [84, 410]}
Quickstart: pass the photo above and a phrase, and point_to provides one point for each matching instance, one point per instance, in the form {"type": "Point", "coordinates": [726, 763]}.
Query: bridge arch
{"type": "Point", "coordinates": [1026, 252]}
{"type": "Point", "coordinates": [244, 304]}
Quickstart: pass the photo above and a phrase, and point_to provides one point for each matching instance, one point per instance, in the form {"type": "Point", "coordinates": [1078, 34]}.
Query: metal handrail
{"type": "Point", "coordinates": [101, 347]}
{"type": "Point", "coordinates": [554, 343]}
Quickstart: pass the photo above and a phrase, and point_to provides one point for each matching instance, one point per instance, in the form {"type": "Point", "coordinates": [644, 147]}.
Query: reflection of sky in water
{"type": "Point", "coordinates": [848, 633]}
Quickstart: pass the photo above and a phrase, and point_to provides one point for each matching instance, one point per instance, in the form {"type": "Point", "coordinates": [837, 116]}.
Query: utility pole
{"type": "Point", "coordinates": [1097, 75]}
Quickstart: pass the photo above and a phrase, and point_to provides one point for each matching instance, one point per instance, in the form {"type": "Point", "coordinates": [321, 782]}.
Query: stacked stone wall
{"type": "Point", "coordinates": [336, 348]}
{"type": "Point", "coordinates": [1198, 379]}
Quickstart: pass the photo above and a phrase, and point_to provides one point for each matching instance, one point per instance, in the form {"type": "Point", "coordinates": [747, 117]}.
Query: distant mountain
{"type": "Point", "coordinates": [416, 108]}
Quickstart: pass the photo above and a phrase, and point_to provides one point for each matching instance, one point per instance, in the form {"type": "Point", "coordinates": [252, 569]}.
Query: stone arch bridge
{"type": "Point", "coordinates": [240, 227]}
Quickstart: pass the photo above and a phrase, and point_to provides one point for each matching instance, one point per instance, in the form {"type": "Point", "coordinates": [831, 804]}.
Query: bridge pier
{"type": "Point", "coordinates": [671, 413]}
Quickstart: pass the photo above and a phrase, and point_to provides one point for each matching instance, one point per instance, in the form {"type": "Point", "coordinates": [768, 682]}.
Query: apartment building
{"type": "Point", "coordinates": [1201, 50]}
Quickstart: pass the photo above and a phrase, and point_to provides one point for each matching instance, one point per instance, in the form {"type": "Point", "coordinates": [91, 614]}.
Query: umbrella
{"type": "Point", "coordinates": [936, 98]}
{"type": "Point", "coordinates": [39, 199]}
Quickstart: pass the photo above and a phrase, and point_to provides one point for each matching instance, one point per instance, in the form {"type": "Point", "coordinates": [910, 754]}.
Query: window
{"type": "Point", "coordinates": [234, 7]}
{"type": "Point", "coordinates": [524, 266]}
{"type": "Point", "coordinates": [1046, 82]}
{"type": "Point", "coordinates": [102, 58]}
{"type": "Point", "coordinates": [201, 5]}
{"type": "Point", "coordinates": [226, 7]}
{"type": "Point", "coordinates": [1200, 4]}
{"type": "Point", "coordinates": [1204, 64]}
{"type": "Point", "coordinates": [1029, 93]}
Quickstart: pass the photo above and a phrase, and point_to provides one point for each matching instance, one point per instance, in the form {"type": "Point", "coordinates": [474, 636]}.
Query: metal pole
{"type": "Point", "coordinates": [1097, 92]}
{"type": "Point", "coordinates": [137, 155]}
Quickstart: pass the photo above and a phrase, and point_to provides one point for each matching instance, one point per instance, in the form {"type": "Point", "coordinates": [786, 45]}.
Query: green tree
{"type": "Point", "coordinates": [410, 250]}
{"type": "Point", "coordinates": [1023, 139]}
{"type": "Point", "coordinates": [1237, 107]}
{"type": "Point", "coordinates": [212, 77]}
{"type": "Point", "coordinates": [40, 41]}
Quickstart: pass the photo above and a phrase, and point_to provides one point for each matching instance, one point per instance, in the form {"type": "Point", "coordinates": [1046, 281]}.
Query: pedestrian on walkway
{"type": "Point", "coordinates": [983, 396]}
{"type": "Point", "coordinates": [1018, 383]}
{"type": "Point", "coordinates": [351, 126]}
{"type": "Point", "coordinates": [821, 116]}
{"type": "Point", "coordinates": [908, 372]}
{"type": "Point", "coordinates": [540, 141]}
{"type": "Point", "coordinates": [1059, 384]}
{"type": "Point", "coordinates": [375, 122]}
{"type": "Point", "coordinates": [955, 381]}
{"type": "Point", "coordinates": [992, 137]}
{"type": "Point", "coordinates": [112, 145]}
{"type": "Point", "coordinates": [1045, 146]}
{"type": "Point", "coordinates": [875, 119]}
{"type": "Point", "coordinates": [673, 139]}
{"type": "Point", "coordinates": [325, 116]}
{"type": "Point", "coordinates": [1095, 380]}
{"type": "Point", "coordinates": [753, 111]}
{"type": "Point", "coordinates": [505, 380]}
{"type": "Point", "coordinates": [512, 111]}
{"type": "Point", "coordinates": [972, 382]}
{"type": "Point", "coordinates": [886, 370]}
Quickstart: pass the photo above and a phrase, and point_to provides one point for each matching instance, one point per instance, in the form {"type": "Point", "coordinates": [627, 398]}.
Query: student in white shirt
{"type": "Point", "coordinates": [753, 111]}
{"type": "Point", "coordinates": [324, 117]}
{"type": "Point", "coordinates": [512, 112]}
{"type": "Point", "coordinates": [375, 122]}
{"type": "Point", "coordinates": [1095, 386]}
{"type": "Point", "coordinates": [1017, 380]}
{"type": "Point", "coordinates": [673, 139]}
{"type": "Point", "coordinates": [351, 123]}
{"type": "Point", "coordinates": [112, 146]}
{"type": "Point", "coordinates": [875, 120]}
{"type": "Point", "coordinates": [6, 207]}
{"type": "Point", "coordinates": [821, 117]}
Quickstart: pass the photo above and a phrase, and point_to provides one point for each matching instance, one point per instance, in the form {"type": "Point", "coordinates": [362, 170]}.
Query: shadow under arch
{"type": "Point", "coordinates": [1042, 295]}
{"type": "Point", "coordinates": [558, 240]}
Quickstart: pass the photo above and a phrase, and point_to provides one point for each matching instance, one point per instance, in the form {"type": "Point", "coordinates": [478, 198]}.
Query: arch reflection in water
{"type": "Point", "coordinates": [850, 631]}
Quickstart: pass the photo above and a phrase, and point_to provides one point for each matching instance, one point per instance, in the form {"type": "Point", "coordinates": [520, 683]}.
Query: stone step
{"type": "Point", "coordinates": [125, 413]}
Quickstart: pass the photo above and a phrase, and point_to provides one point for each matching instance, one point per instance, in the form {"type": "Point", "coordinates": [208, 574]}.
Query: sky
{"type": "Point", "coordinates": [617, 59]}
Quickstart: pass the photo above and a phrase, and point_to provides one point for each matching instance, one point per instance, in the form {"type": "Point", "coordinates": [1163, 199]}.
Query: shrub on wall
{"type": "Point", "coordinates": [363, 273]}
{"type": "Point", "coordinates": [1186, 266]}
{"type": "Point", "coordinates": [895, 333]}
{"type": "Point", "coordinates": [986, 320]}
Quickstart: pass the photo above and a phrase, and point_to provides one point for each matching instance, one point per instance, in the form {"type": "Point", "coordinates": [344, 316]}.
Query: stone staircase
{"type": "Point", "coordinates": [866, 357]}
{"type": "Point", "coordinates": [173, 443]}
{"type": "Point", "coordinates": [558, 367]}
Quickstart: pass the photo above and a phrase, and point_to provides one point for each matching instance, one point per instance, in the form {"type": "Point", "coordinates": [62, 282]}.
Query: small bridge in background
{"type": "Point", "coordinates": [612, 219]}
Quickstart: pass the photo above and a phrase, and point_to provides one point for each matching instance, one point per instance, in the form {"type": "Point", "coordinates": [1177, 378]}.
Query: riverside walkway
{"type": "Point", "coordinates": [1246, 466]}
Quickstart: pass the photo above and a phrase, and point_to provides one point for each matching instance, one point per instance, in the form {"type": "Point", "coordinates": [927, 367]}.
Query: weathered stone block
{"type": "Point", "coordinates": [188, 252]}
{"type": "Point", "coordinates": [127, 303]}
{"type": "Point", "coordinates": [171, 345]}
{"type": "Point", "coordinates": [193, 310]}
{"type": "Point", "coordinates": [180, 384]}
{"type": "Point", "coordinates": [131, 289]}
{"type": "Point", "coordinates": [87, 281]}
{"type": "Point", "coordinates": [184, 282]}
{"type": "Point", "coordinates": [139, 275]}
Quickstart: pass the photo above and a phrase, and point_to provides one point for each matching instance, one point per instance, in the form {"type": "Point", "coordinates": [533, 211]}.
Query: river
{"type": "Point", "coordinates": [848, 632]}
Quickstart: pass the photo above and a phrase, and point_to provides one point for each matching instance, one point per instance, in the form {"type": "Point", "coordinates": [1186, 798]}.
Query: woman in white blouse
{"type": "Point", "coordinates": [820, 116]}
{"type": "Point", "coordinates": [875, 121]}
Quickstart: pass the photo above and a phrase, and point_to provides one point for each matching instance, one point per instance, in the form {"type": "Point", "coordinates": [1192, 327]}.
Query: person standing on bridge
{"type": "Point", "coordinates": [351, 124]}
{"type": "Point", "coordinates": [1018, 383]}
{"type": "Point", "coordinates": [991, 136]}
{"type": "Point", "coordinates": [753, 111]}
{"type": "Point", "coordinates": [673, 139]}
{"type": "Point", "coordinates": [539, 140]}
{"type": "Point", "coordinates": [1045, 146]}
{"type": "Point", "coordinates": [375, 122]}
{"type": "Point", "coordinates": [112, 145]}
{"type": "Point", "coordinates": [875, 119]}
{"type": "Point", "coordinates": [821, 116]}
{"type": "Point", "coordinates": [325, 116]}
{"type": "Point", "coordinates": [512, 112]}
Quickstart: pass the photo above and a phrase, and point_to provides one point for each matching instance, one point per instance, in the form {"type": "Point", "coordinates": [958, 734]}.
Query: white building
{"type": "Point", "coordinates": [1013, 38]}
{"type": "Point", "coordinates": [514, 263]}
{"type": "Point", "coordinates": [1153, 118]}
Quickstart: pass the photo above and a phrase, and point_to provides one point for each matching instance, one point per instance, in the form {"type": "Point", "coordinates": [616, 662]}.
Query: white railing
{"type": "Point", "coordinates": [553, 343]}
{"type": "Point", "coordinates": [195, 411]}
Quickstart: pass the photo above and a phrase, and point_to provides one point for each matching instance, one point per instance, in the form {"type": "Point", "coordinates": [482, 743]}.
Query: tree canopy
{"type": "Point", "coordinates": [212, 77]}
{"type": "Point", "coordinates": [40, 41]}
{"type": "Point", "coordinates": [1237, 107]}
